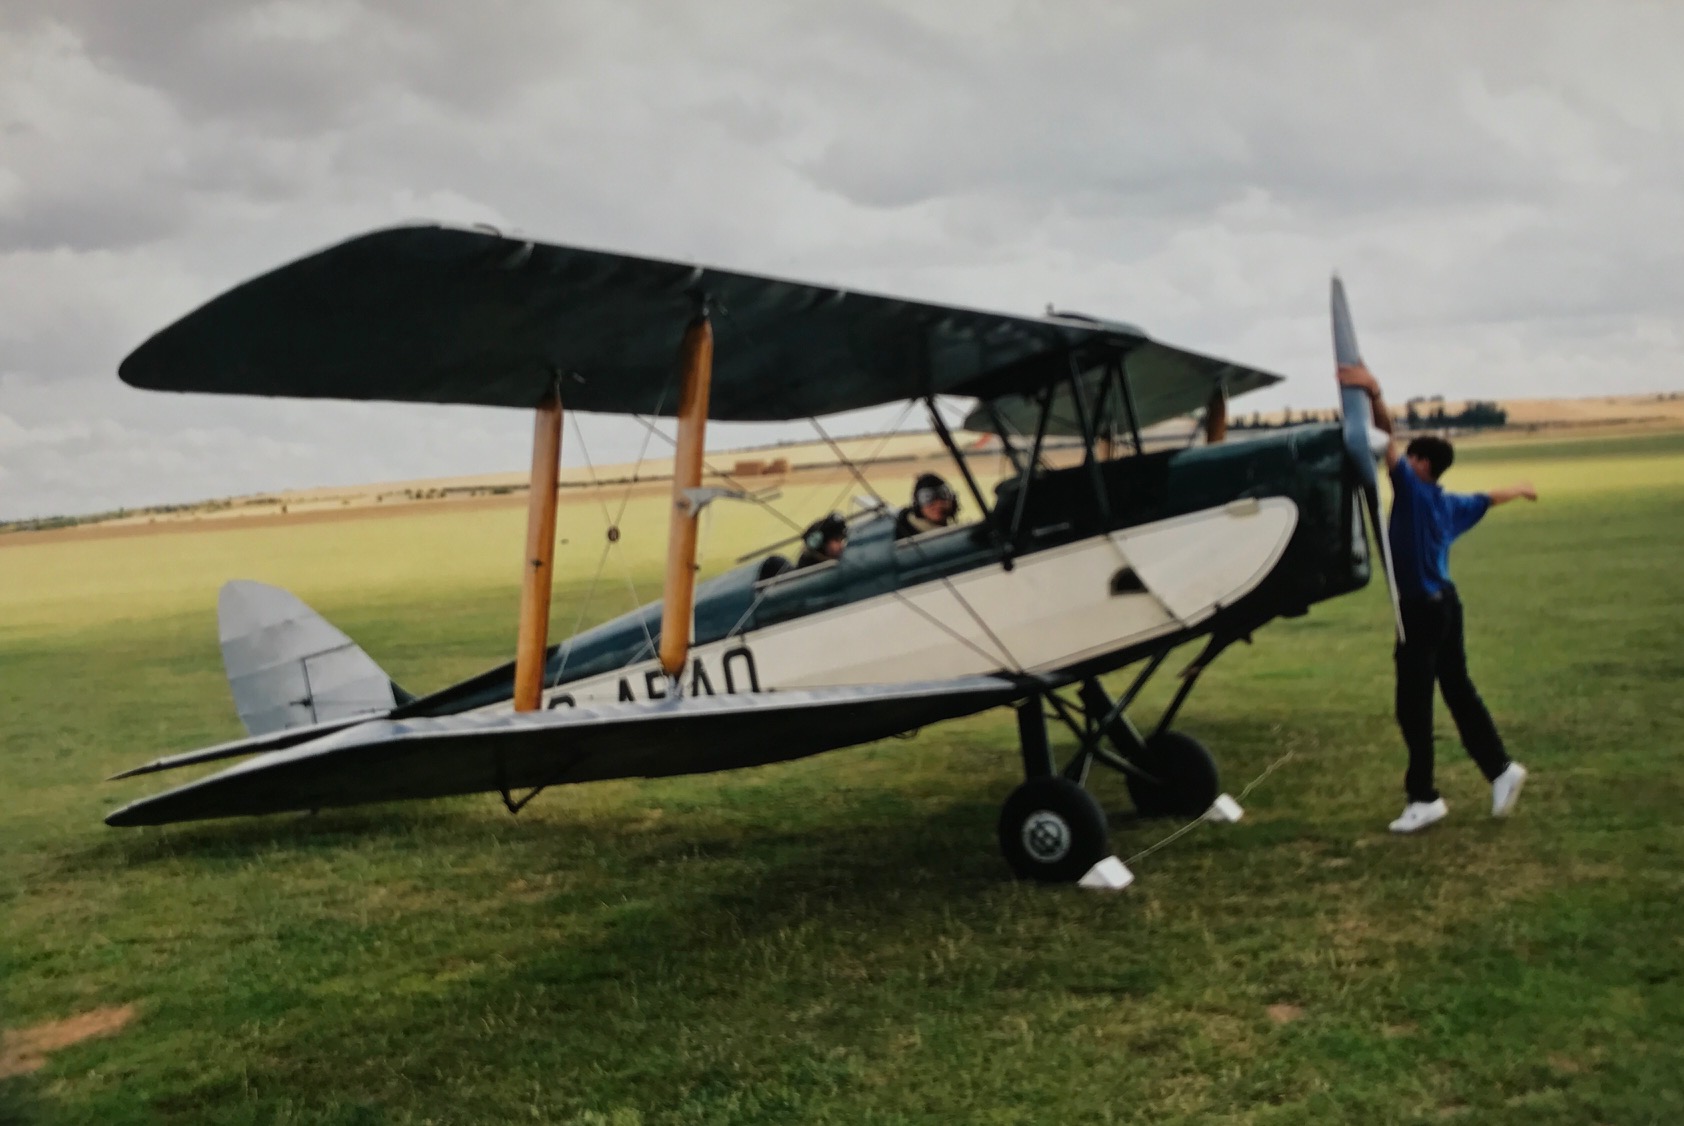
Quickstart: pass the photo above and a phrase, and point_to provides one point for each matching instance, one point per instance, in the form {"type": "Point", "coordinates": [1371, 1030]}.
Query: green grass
{"type": "Point", "coordinates": [835, 940]}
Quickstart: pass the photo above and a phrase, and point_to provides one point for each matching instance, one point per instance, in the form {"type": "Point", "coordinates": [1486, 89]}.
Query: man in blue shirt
{"type": "Point", "coordinates": [1425, 521]}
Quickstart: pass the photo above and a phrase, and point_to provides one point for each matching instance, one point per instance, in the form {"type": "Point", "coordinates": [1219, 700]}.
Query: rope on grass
{"type": "Point", "coordinates": [1199, 820]}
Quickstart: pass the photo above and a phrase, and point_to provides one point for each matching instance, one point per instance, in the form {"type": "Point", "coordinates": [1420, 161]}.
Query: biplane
{"type": "Point", "coordinates": [1073, 568]}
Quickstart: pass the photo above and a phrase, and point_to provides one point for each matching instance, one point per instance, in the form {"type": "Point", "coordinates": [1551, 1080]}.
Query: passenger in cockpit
{"type": "Point", "coordinates": [823, 541]}
{"type": "Point", "coordinates": [934, 505]}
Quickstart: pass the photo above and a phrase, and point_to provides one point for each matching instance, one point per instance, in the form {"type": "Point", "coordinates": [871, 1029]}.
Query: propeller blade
{"type": "Point", "coordinates": [1371, 508]}
{"type": "Point", "coordinates": [1344, 331]}
{"type": "Point", "coordinates": [1354, 411]}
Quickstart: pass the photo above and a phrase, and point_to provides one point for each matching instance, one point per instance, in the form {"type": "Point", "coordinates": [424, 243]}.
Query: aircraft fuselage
{"type": "Point", "coordinates": [1184, 542]}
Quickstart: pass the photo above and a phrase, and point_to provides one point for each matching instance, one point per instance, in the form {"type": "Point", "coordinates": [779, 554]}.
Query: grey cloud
{"type": "Point", "coordinates": [1497, 182]}
{"type": "Point", "coordinates": [1335, 120]}
{"type": "Point", "coordinates": [123, 448]}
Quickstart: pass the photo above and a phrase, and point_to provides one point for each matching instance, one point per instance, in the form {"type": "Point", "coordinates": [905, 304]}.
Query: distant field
{"type": "Point", "coordinates": [1595, 419]}
{"type": "Point", "coordinates": [836, 940]}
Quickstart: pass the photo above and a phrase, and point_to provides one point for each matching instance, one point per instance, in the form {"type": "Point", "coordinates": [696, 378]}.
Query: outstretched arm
{"type": "Point", "coordinates": [1513, 492]}
{"type": "Point", "coordinates": [1356, 375]}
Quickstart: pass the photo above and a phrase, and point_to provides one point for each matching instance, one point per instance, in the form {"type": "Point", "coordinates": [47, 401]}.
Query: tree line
{"type": "Point", "coordinates": [1424, 413]}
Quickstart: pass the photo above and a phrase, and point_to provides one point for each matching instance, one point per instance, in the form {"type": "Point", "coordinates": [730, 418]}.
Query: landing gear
{"type": "Point", "coordinates": [1178, 777]}
{"type": "Point", "coordinates": [1051, 829]}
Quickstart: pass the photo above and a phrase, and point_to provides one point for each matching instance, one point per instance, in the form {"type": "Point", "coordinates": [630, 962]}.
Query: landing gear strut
{"type": "Point", "coordinates": [1051, 828]}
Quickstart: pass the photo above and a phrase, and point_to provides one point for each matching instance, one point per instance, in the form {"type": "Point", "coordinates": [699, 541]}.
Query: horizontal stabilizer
{"type": "Point", "coordinates": [256, 744]}
{"type": "Point", "coordinates": [1163, 383]}
{"type": "Point", "coordinates": [393, 760]}
{"type": "Point", "coordinates": [289, 667]}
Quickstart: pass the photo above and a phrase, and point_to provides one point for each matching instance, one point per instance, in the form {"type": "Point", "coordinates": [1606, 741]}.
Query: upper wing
{"type": "Point", "coordinates": [444, 315]}
{"type": "Point", "coordinates": [391, 760]}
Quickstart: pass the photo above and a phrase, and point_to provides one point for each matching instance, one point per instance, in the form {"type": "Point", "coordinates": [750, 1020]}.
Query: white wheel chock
{"type": "Point", "coordinates": [1224, 810]}
{"type": "Point", "coordinates": [1109, 874]}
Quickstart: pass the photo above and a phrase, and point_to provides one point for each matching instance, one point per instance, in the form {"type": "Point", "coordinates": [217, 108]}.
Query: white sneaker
{"type": "Point", "coordinates": [1505, 789]}
{"type": "Point", "coordinates": [1417, 815]}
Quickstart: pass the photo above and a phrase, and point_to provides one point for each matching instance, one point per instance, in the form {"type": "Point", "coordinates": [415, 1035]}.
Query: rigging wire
{"type": "Point", "coordinates": [708, 467]}
{"type": "Point", "coordinates": [882, 441]}
{"type": "Point", "coordinates": [613, 520]}
{"type": "Point", "coordinates": [637, 467]}
{"type": "Point", "coordinates": [625, 500]}
{"type": "Point", "coordinates": [900, 596]}
{"type": "Point", "coordinates": [759, 597]}
{"type": "Point", "coordinates": [590, 468]}
{"type": "Point", "coordinates": [946, 581]}
{"type": "Point", "coordinates": [883, 437]}
{"type": "Point", "coordinates": [848, 463]}
{"type": "Point", "coordinates": [602, 560]}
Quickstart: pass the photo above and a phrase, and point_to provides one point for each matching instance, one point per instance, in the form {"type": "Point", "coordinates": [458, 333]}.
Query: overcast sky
{"type": "Point", "coordinates": [1501, 184]}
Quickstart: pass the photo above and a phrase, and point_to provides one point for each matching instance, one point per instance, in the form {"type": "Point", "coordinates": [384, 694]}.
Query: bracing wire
{"type": "Point", "coordinates": [614, 523]}
{"type": "Point", "coordinates": [759, 597]}
{"type": "Point", "coordinates": [651, 431]}
{"type": "Point", "coordinates": [590, 469]}
{"type": "Point", "coordinates": [637, 601]}
{"type": "Point", "coordinates": [848, 462]}
{"type": "Point", "coordinates": [637, 468]}
{"type": "Point", "coordinates": [602, 560]}
{"type": "Point", "coordinates": [584, 606]}
{"type": "Point", "coordinates": [901, 597]}
{"type": "Point", "coordinates": [711, 471]}
{"type": "Point", "coordinates": [946, 581]}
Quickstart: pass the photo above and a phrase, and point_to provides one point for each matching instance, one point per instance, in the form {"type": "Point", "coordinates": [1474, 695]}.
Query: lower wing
{"type": "Point", "coordinates": [395, 760]}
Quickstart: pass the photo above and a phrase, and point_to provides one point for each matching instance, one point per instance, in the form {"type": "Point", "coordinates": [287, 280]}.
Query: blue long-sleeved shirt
{"type": "Point", "coordinates": [1425, 521]}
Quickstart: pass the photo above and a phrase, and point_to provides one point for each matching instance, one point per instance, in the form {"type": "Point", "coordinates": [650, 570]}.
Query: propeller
{"type": "Point", "coordinates": [1354, 407]}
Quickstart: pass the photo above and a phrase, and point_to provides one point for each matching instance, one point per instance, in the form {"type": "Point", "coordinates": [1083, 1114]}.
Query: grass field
{"type": "Point", "coordinates": [836, 940]}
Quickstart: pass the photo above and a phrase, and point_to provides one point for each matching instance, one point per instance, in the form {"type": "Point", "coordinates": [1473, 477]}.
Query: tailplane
{"type": "Point", "coordinates": [288, 667]}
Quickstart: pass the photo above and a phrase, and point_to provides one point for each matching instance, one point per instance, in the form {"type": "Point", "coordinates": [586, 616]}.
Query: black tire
{"type": "Point", "coordinates": [1189, 781]}
{"type": "Point", "coordinates": [1053, 831]}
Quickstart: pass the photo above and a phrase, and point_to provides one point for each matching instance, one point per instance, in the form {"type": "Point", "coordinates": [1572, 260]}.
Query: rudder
{"type": "Point", "coordinates": [289, 667]}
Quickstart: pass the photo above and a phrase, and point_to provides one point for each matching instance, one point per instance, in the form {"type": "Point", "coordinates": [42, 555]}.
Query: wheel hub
{"type": "Point", "coordinates": [1046, 836]}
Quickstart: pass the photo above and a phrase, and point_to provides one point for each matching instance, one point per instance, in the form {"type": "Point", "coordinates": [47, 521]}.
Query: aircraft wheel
{"type": "Point", "coordinates": [1053, 831]}
{"type": "Point", "coordinates": [1189, 783]}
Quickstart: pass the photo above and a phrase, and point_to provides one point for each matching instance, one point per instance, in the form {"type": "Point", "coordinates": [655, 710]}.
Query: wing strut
{"type": "Point", "coordinates": [678, 599]}
{"type": "Point", "coordinates": [939, 425]}
{"type": "Point", "coordinates": [1216, 416]}
{"type": "Point", "coordinates": [538, 575]}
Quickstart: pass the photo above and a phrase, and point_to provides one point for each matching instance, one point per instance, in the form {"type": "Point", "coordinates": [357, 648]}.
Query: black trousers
{"type": "Point", "coordinates": [1434, 651]}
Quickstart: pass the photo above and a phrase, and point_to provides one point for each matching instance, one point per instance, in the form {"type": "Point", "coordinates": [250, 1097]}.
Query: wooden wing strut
{"type": "Point", "coordinates": [1216, 415]}
{"type": "Point", "coordinates": [678, 599]}
{"type": "Point", "coordinates": [533, 641]}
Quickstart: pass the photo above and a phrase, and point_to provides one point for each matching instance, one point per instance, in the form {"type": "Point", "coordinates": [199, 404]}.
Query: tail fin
{"type": "Point", "coordinates": [288, 667]}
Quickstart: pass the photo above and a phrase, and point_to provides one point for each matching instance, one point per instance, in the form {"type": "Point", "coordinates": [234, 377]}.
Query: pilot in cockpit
{"type": "Point", "coordinates": [823, 541]}
{"type": "Point", "coordinates": [934, 505]}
